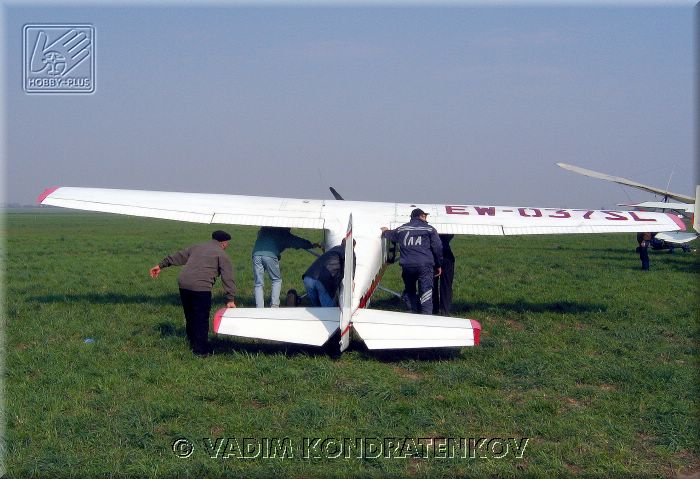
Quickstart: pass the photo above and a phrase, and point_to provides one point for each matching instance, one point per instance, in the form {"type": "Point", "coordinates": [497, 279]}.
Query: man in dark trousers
{"type": "Point", "coordinates": [442, 285]}
{"type": "Point", "coordinates": [202, 262]}
{"type": "Point", "coordinates": [322, 279]}
{"type": "Point", "coordinates": [421, 259]}
{"type": "Point", "coordinates": [644, 240]}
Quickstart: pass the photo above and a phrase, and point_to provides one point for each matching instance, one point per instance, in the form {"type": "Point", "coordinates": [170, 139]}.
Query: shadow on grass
{"type": "Point", "coordinates": [331, 349]}
{"type": "Point", "coordinates": [522, 306]}
{"type": "Point", "coordinates": [675, 261]}
{"type": "Point", "coordinates": [563, 307]}
{"type": "Point", "coordinates": [233, 344]}
{"type": "Point", "coordinates": [108, 298]}
{"type": "Point", "coordinates": [397, 355]}
{"type": "Point", "coordinates": [168, 329]}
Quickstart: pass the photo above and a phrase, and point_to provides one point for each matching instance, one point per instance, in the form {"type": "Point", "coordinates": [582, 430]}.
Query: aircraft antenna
{"type": "Point", "coordinates": [668, 185]}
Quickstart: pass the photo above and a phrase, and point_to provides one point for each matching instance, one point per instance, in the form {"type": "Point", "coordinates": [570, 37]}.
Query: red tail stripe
{"type": "Point", "coordinates": [217, 319]}
{"type": "Point", "coordinates": [373, 286]}
{"type": "Point", "coordinates": [476, 329]}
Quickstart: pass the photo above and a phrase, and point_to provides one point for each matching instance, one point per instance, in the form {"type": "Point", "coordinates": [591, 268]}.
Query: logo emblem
{"type": "Point", "coordinates": [59, 59]}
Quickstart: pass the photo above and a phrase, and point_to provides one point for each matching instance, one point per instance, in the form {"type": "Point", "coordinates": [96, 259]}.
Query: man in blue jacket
{"type": "Point", "coordinates": [421, 258]}
{"type": "Point", "coordinates": [267, 252]}
{"type": "Point", "coordinates": [323, 278]}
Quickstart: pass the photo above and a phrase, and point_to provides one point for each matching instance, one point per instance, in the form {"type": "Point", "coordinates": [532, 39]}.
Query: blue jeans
{"type": "Point", "coordinates": [272, 266]}
{"type": "Point", "coordinates": [318, 296]}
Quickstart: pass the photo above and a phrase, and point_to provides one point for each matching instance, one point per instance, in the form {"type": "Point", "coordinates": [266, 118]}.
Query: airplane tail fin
{"type": "Point", "coordinates": [346, 291]}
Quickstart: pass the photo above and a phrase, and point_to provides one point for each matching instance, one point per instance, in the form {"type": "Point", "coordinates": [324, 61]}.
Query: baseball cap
{"type": "Point", "coordinates": [417, 212]}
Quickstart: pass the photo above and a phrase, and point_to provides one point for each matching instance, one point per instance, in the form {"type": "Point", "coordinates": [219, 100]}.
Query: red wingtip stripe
{"type": "Point", "coordinates": [678, 221]}
{"type": "Point", "coordinates": [476, 329]}
{"type": "Point", "coordinates": [46, 193]}
{"type": "Point", "coordinates": [217, 319]}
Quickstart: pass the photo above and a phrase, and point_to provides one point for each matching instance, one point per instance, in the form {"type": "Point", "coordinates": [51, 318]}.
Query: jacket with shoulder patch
{"type": "Point", "coordinates": [419, 243]}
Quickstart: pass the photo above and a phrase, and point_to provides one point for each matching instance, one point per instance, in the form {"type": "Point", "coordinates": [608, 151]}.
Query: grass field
{"type": "Point", "coordinates": [589, 365]}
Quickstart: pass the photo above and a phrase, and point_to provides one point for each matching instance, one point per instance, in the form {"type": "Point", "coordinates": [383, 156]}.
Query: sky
{"type": "Point", "coordinates": [453, 104]}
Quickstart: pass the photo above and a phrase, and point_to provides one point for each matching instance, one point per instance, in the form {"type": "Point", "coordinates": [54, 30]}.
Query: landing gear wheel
{"type": "Point", "coordinates": [292, 300]}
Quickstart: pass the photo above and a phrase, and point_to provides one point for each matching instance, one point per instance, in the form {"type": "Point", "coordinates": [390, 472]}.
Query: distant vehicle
{"type": "Point", "coordinates": [362, 221]}
{"type": "Point", "coordinates": [684, 204]}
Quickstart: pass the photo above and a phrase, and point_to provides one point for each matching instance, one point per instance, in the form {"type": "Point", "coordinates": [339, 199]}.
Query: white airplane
{"type": "Point", "coordinates": [685, 204]}
{"type": "Point", "coordinates": [359, 220]}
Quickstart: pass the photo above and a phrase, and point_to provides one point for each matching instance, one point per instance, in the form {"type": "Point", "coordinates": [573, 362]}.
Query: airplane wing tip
{"type": "Point", "coordinates": [46, 193]}
{"type": "Point", "coordinates": [476, 329]}
{"type": "Point", "coordinates": [677, 220]}
{"type": "Point", "coordinates": [217, 319]}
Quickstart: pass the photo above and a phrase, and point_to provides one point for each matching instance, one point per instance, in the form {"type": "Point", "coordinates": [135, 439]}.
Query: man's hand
{"type": "Point", "coordinates": [155, 271]}
{"type": "Point", "coordinates": [230, 304]}
{"type": "Point", "coordinates": [438, 271]}
{"type": "Point", "coordinates": [316, 245]}
{"type": "Point", "coordinates": [384, 228]}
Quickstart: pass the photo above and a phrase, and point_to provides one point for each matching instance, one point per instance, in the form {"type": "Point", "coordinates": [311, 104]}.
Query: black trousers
{"type": "Point", "coordinates": [644, 256]}
{"type": "Point", "coordinates": [442, 289]}
{"type": "Point", "coordinates": [422, 302]}
{"type": "Point", "coordinates": [197, 306]}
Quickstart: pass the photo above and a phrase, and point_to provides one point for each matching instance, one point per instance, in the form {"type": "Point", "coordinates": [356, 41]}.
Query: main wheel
{"type": "Point", "coordinates": [292, 299]}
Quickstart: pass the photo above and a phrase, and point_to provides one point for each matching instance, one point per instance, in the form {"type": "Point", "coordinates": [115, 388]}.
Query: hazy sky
{"type": "Point", "coordinates": [412, 104]}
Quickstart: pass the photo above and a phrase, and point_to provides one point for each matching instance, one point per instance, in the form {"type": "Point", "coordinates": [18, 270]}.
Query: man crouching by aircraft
{"type": "Point", "coordinates": [322, 279]}
{"type": "Point", "coordinates": [421, 258]}
{"type": "Point", "coordinates": [203, 263]}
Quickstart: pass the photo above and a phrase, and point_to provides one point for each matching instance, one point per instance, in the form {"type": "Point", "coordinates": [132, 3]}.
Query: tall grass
{"type": "Point", "coordinates": [584, 354]}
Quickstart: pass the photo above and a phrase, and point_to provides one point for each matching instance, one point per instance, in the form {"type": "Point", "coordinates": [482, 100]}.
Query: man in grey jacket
{"type": "Point", "coordinates": [202, 262]}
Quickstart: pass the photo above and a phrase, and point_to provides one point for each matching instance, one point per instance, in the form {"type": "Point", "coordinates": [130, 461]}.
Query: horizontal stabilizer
{"type": "Point", "coordinates": [394, 330]}
{"type": "Point", "coordinates": [312, 326]}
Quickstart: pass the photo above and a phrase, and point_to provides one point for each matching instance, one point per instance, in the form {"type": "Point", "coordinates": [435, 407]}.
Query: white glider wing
{"type": "Point", "coordinates": [662, 205]}
{"type": "Point", "coordinates": [626, 182]}
{"type": "Point", "coordinates": [191, 207]}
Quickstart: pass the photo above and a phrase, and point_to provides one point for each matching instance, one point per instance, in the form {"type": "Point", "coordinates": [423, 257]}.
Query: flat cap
{"type": "Point", "coordinates": [220, 236]}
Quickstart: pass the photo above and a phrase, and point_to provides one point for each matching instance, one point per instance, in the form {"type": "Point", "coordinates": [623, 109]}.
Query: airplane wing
{"type": "Point", "coordinates": [685, 207]}
{"type": "Point", "coordinates": [513, 220]}
{"type": "Point", "coordinates": [191, 207]}
{"type": "Point", "coordinates": [625, 181]}
{"type": "Point", "coordinates": [308, 213]}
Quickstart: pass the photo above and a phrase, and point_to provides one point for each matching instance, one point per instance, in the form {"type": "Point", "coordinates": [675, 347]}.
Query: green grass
{"type": "Point", "coordinates": [593, 360]}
